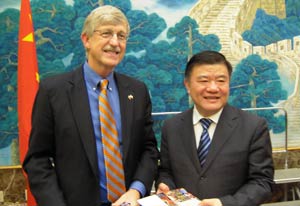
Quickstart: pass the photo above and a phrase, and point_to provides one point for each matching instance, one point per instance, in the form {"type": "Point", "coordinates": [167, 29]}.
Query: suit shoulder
{"type": "Point", "coordinates": [180, 116]}
{"type": "Point", "coordinates": [247, 115]}
{"type": "Point", "coordinates": [131, 83]}
{"type": "Point", "coordinates": [59, 80]}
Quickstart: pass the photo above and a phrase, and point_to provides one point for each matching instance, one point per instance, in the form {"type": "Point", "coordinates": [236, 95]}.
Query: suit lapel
{"type": "Point", "coordinates": [188, 138]}
{"type": "Point", "coordinates": [126, 107]}
{"type": "Point", "coordinates": [81, 111]}
{"type": "Point", "coordinates": [227, 123]}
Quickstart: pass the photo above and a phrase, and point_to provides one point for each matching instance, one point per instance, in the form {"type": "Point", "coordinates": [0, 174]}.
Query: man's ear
{"type": "Point", "coordinates": [85, 40]}
{"type": "Point", "coordinates": [187, 86]}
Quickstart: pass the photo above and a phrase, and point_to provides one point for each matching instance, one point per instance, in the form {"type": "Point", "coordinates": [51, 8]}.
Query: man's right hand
{"type": "Point", "coordinates": [162, 188]}
{"type": "Point", "coordinates": [211, 202]}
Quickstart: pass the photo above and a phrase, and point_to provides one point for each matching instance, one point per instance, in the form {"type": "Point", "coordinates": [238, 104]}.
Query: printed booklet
{"type": "Point", "coordinates": [176, 197]}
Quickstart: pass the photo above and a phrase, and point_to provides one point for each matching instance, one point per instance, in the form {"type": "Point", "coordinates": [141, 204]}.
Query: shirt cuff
{"type": "Point", "coordinates": [139, 186]}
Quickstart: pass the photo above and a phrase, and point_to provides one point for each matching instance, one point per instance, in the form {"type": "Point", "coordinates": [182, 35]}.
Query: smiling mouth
{"type": "Point", "coordinates": [112, 51]}
{"type": "Point", "coordinates": [212, 98]}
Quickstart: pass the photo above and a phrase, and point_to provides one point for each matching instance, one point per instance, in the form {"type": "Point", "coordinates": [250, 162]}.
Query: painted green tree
{"type": "Point", "coordinates": [8, 76]}
{"type": "Point", "coordinates": [267, 29]}
{"type": "Point", "coordinates": [255, 83]}
{"type": "Point", "coordinates": [160, 64]}
{"type": "Point", "coordinates": [53, 25]}
{"type": "Point", "coordinates": [292, 8]}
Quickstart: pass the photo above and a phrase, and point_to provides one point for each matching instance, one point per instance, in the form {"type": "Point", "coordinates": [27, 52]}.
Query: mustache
{"type": "Point", "coordinates": [112, 49]}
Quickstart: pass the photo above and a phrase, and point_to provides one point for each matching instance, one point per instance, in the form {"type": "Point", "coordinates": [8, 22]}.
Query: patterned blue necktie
{"type": "Point", "coordinates": [204, 141]}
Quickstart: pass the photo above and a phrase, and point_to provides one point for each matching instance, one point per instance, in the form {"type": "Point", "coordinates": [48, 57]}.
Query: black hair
{"type": "Point", "coordinates": [206, 57]}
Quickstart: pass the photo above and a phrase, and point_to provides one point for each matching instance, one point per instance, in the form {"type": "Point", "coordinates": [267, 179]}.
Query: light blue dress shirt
{"type": "Point", "coordinates": [92, 80]}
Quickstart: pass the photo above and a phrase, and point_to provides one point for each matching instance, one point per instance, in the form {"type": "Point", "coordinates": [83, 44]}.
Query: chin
{"type": "Point", "coordinates": [112, 64]}
{"type": "Point", "coordinates": [212, 110]}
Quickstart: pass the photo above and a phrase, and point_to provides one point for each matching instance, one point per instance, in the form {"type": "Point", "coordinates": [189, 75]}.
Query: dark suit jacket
{"type": "Point", "coordinates": [238, 168]}
{"type": "Point", "coordinates": [61, 162]}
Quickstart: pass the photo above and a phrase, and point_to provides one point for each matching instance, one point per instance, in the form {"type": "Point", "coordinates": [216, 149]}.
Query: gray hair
{"type": "Point", "coordinates": [104, 15]}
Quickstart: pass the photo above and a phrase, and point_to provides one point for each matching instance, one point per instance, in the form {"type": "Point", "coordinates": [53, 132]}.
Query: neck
{"type": "Point", "coordinates": [102, 71]}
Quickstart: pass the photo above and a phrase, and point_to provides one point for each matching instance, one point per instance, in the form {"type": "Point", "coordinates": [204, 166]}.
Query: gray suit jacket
{"type": "Point", "coordinates": [62, 130]}
{"type": "Point", "coordinates": [239, 167]}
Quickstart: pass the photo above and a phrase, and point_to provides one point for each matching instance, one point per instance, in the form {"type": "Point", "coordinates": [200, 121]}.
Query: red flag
{"type": "Point", "coordinates": [28, 79]}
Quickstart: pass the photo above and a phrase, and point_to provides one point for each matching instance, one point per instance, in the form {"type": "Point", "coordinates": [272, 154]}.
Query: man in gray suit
{"type": "Point", "coordinates": [66, 163]}
{"type": "Point", "coordinates": [234, 166]}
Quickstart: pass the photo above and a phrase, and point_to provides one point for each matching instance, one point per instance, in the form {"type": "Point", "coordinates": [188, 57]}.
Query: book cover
{"type": "Point", "coordinates": [176, 197]}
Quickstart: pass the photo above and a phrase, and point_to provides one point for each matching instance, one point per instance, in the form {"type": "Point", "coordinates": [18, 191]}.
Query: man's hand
{"type": "Point", "coordinates": [210, 202]}
{"type": "Point", "coordinates": [129, 198]}
{"type": "Point", "coordinates": [162, 188]}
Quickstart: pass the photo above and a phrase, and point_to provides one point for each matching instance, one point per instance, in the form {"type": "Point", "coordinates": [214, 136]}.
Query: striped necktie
{"type": "Point", "coordinates": [204, 141]}
{"type": "Point", "coordinates": [111, 147]}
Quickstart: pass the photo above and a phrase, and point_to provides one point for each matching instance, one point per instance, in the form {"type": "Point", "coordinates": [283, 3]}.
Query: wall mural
{"type": "Point", "coordinates": [261, 38]}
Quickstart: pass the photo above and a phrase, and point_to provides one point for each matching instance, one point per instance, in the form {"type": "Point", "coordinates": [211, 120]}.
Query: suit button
{"type": "Point", "coordinates": [202, 178]}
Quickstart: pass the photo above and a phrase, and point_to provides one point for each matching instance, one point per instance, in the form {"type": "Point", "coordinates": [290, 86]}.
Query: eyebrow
{"type": "Point", "coordinates": [206, 76]}
{"type": "Point", "coordinates": [222, 76]}
{"type": "Point", "coordinates": [110, 29]}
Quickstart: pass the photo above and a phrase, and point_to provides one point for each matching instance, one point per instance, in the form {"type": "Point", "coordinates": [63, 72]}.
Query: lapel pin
{"type": "Point", "coordinates": [130, 97]}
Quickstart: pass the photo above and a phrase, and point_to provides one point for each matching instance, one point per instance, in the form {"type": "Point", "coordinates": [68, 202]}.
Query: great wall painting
{"type": "Point", "coordinates": [221, 25]}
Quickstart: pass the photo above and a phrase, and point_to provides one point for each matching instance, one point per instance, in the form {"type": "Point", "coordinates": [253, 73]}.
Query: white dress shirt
{"type": "Point", "coordinates": [198, 127]}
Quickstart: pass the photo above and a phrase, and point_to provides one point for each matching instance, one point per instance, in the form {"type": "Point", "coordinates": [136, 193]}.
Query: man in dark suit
{"type": "Point", "coordinates": [238, 168]}
{"type": "Point", "coordinates": [65, 160]}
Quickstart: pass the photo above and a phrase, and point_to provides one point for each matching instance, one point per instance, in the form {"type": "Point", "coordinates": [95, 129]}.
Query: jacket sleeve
{"type": "Point", "coordinates": [165, 175]}
{"type": "Point", "coordinates": [261, 171]}
{"type": "Point", "coordinates": [38, 162]}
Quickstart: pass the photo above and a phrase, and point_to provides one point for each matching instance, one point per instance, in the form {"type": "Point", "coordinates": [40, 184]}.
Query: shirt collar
{"type": "Point", "coordinates": [92, 78]}
{"type": "Point", "coordinates": [197, 116]}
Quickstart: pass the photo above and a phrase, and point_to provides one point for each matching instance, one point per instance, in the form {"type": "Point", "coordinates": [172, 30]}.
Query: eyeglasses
{"type": "Point", "coordinates": [121, 36]}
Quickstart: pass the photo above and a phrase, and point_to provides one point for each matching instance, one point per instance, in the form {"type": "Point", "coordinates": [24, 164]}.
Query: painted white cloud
{"type": "Point", "coordinates": [4, 4]}
{"type": "Point", "coordinates": [171, 16]}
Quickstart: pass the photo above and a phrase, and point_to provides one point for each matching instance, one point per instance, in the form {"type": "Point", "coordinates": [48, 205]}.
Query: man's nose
{"type": "Point", "coordinates": [114, 39]}
{"type": "Point", "coordinates": [213, 86]}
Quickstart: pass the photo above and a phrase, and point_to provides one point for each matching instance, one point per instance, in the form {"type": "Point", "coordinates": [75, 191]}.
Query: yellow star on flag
{"type": "Point", "coordinates": [28, 38]}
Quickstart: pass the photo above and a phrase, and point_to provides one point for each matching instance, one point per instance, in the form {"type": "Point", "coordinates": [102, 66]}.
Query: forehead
{"type": "Point", "coordinates": [210, 70]}
{"type": "Point", "coordinates": [113, 27]}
